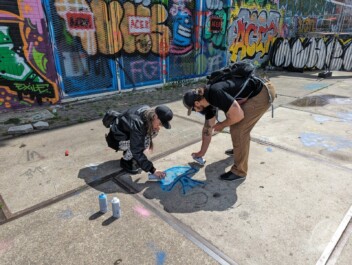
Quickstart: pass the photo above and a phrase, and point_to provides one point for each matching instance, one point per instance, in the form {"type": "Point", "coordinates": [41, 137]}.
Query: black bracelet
{"type": "Point", "coordinates": [152, 170]}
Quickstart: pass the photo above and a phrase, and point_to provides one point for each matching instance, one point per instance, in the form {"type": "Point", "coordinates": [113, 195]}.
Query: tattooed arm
{"type": "Point", "coordinates": [207, 133]}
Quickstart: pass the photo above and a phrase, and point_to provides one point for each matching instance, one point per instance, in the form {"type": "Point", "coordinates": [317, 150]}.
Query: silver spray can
{"type": "Point", "coordinates": [103, 203]}
{"type": "Point", "coordinates": [116, 210]}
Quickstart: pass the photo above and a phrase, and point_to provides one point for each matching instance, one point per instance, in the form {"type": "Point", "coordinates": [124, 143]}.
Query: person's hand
{"type": "Point", "coordinates": [160, 174]}
{"type": "Point", "coordinates": [198, 154]}
{"type": "Point", "coordinates": [218, 127]}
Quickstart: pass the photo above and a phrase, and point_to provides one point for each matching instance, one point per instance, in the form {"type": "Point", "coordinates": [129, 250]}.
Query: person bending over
{"type": "Point", "coordinates": [133, 131]}
{"type": "Point", "coordinates": [244, 101]}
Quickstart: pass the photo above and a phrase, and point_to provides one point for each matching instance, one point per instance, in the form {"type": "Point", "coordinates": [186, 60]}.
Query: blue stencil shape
{"type": "Point", "coordinates": [180, 174]}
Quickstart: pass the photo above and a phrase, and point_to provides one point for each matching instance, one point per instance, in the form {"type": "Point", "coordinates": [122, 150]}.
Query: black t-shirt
{"type": "Point", "coordinates": [222, 94]}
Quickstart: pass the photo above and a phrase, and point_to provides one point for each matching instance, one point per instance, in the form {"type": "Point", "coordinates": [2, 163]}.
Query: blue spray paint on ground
{"type": "Point", "coordinates": [345, 116]}
{"type": "Point", "coordinates": [66, 214]}
{"type": "Point", "coordinates": [182, 175]}
{"type": "Point", "coordinates": [315, 86]}
{"type": "Point", "coordinates": [160, 257]}
{"type": "Point", "coordinates": [159, 254]}
{"type": "Point", "coordinates": [330, 142]}
{"type": "Point", "coordinates": [321, 118]}
{"type": "Point", "coordinates": [269, 149]}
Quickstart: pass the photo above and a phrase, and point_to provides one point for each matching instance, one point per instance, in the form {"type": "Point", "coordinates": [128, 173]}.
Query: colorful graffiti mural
{"type": "Point", "coordinates": [27, 73]}
{"type": "Point", "coordinates": [252, 33]}
{"type": "Point", "coordinates": [80, 47]}
{"type": "Point", "coordinates": [216, 19]}
{"type": "Point", "coordinates": [312, 53]}
{"type": "Point", "coordinates": [107, 27]}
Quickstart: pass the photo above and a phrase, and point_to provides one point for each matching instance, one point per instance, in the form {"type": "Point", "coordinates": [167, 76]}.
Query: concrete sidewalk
{"type": "Point", "coordinates": [293, 208]}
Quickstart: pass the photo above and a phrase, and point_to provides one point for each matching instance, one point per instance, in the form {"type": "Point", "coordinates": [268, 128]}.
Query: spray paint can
{"type": "Point", "coordinates": [152, 177]}
{"type": "Point", "coordinates": [199, 160]}
{"type": "Point", "coordinates": [116, 210]}
{"type": "Point", "coordinates": [103, 202]}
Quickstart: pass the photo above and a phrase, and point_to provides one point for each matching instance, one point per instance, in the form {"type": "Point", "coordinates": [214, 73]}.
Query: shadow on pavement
{"type": "Point", "coordinates": [96, 175]}
{"type": "Point", "coordinates": [213, 195]}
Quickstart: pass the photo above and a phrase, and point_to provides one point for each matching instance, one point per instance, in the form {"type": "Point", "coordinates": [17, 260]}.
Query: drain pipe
{"type": "Point", "coordinates": [118, 75]}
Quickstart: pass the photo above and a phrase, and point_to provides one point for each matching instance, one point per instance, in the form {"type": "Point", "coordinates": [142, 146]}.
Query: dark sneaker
{"type": "Point", "coordinates": [129, 165]}
{"type": "Point", "coordinates": [230, 176]}
{"type": "Point", "coordinates": [229, 152]}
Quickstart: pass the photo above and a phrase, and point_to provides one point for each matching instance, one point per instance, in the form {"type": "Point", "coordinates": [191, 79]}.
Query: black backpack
{"type": "Point", "coordinates": [109, 117]}
{"type": "Point", "coordinates": [237, 69]}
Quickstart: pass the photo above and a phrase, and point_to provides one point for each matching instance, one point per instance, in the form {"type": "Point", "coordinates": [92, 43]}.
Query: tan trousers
{"type": "Point", "coordinates": [253, 109]}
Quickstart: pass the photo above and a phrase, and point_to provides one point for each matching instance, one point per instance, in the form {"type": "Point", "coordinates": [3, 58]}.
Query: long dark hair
{"type": "Point", "coordinates": [149, 117]}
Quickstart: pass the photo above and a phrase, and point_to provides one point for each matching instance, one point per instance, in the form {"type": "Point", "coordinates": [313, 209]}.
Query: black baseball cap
{"type": "Point", "coordinates": [188, 100]}
{"type": "Point", "coordinates": [165, 115]}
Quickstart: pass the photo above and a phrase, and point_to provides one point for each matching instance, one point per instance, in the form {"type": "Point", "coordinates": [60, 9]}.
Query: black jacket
{"type": "Point", "coordinates": [132, 126]}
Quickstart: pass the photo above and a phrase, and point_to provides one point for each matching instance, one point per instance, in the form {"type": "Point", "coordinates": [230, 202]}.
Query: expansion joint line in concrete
{"type": "Point", "coordinates": [338, 241]}
{"type": "Point", "coordinates": [180, 227]}
{"type": "Point", "coordinates": [310, 157]}
{"type": "Point", "coordinates": [12, 216]}
{"type": "Point", "coordinates": [310, 112]}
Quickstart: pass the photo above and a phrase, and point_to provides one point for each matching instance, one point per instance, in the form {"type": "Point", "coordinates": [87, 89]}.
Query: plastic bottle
{"type": "Point", "coordinates": [103, 202]}
{"type": "Point", "coordinates": [116, 210]}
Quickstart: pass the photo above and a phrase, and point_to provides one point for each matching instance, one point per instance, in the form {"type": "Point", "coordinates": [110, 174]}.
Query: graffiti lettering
{"type": "Point", "coordinates": [251, 34]}
{"type": "Point", "coordinates": [30, 172]}
{"type": "Point", "coordinates": [215, 24]}
{"type": "Point", "coordinates": [25, 54]}
{"type": "Point", "coordinates": [149, 70]}
{"type": "Point", "coordinates": [312, 53]}
{"type": "Point", "coordinates": [33, 154]}
{"type": "Point", "coordinates": [305, 25]}
{"type": "Point", "coordinates": [79, 9]}
{"type": "Point", "coordinates": [42, 89]}
{"type": "Point", "coordinates": [79, 21]}
{"type": "Point", "coordinates": [215, 63]}
{"type": "Point", "coordinates": [138, 25]}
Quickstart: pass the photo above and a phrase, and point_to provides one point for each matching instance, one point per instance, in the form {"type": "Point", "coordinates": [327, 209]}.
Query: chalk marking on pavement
{"type": "Point", "coordinates": [331, 247]}
{"type": "Point", "coordinates": [180, 227]}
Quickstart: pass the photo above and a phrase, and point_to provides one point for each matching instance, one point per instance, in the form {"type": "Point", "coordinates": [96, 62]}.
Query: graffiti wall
{"type": "Point", "coordinates": [253, 28]}
{"type": "Point", "coordinates": [27, 72]}
{"type": "Point", "coordinates": [79, 31]}
{"type": "Point", "coordinates": [312, 53]}
{"type": "Point", "coordinates": [56, 49]}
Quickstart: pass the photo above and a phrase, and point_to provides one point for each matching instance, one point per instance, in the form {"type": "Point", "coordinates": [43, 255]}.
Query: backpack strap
{"type": "Point", "coordinates": [263, 81]}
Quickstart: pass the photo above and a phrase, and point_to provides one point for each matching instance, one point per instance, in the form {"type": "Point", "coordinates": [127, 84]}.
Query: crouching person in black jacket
{"type": "Point", "coordinates": [133, 131]}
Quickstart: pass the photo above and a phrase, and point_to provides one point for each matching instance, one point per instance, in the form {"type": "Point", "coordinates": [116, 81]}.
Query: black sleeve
{"type": "Point", "coordinates": [137, 139]}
